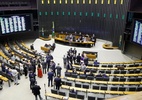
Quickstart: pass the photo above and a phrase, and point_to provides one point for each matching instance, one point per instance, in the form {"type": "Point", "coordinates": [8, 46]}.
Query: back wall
{"type": "Point", "coordinates": [105, 18]}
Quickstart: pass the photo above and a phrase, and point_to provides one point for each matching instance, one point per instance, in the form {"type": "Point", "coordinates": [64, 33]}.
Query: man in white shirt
{"type": "Point", "coordinates": [15, 76]}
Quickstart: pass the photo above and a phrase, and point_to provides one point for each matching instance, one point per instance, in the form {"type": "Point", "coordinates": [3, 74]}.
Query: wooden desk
{"type": "Point", "coordinates": [45, 49]}
{"type": "Point", "coordinates": [99, 82]}
{"type": "Point", "coordinates": [71, 79]}
{"type": "Point", "coordinates": [127, 92]}
{"type": "Point", "coordinates": [119, 75]}
{"type": "Point", "coordinates": [132, 83]}
{"type": "Point", "coordinates": [108, 46]}
{"type": "Point", "coordinates": [114, 92]}
{"type": "Point", "coordinates": [54, 96]}
{"type": "Point", "coordinates": [116, 83]}
{"type": "Point", "coordinates": [82, 44]}
{"type": "Point", "coordinates": [65, 87]}
{"type": "Point", "coordinates": [82, 80]}
{"type": "Point", "coordinates": [95, 91]}
{"type": "Point", "coordinates": [135, 96]}
{"type": "Point", "coordinates": [59, 96]}
{"type": "Point", "coordinates": [131, 75]}
{"type": "Point", "coordinates": [78, 89]}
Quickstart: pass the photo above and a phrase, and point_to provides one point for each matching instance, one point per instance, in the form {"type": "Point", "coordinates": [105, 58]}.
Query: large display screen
{"type": "Point", "coordinates": [15, 23]}
{"type": "Point", "coordinates": [137, 32]}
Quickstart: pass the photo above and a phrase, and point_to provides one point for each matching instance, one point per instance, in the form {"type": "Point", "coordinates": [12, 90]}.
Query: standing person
{"type": "Point", "coordinates": [32, 82]}
{"type": "Point", "coordinates": [36, 91]}
{"type": "Point", "coordinates": [25, 71]}
{"type": "Point", "coordinates": [32, 47]}
{"type": "Point", "coordinates": [32, 75]}
{"type": "Point", "coordinates": [50, 78]}
{"type": "Point", "coordinates": [74, 58]}
{"type": "Point", "coordinates": [57, 82]}
{"type": "Point", "coordinates": [78, 58]}
{"type": "Point", "coordinates": [86, 60]}
{"type": "Point", "coordinates": [48, 61]}
{"type": "Point", "coordinates": [64, 60]}
{"type": "Point", "coordinates": [58, 68]}
{"type": "Point", "coordinates": [53, 67]}
{"type": "Point", "coordinates": [39, 70]}
{"type": "Point", "coordinates": [15, 76]}
{"type": "Point", "coordinates": [43, 63]}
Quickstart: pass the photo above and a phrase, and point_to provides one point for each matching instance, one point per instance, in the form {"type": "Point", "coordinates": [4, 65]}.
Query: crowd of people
{"type": "Point", "coordinates": [80, 38]}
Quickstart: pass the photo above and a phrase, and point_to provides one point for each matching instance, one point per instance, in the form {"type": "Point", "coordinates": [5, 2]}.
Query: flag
{"type": "Point", "coordinates": [53, 32]}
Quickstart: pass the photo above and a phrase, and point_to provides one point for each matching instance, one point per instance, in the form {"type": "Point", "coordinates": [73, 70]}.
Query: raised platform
{"type": "Point", "coordinates": [78, 44]}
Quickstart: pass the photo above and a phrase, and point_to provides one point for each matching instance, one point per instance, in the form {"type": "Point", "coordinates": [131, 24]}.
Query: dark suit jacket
{"type": "Point", "coordinates": [36, 90]}
{"type": "Point", "coordinates": [57, 81]}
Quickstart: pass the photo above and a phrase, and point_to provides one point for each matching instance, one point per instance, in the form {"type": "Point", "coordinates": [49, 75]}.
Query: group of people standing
{"type": "Point", "coordinates": [73, 58]}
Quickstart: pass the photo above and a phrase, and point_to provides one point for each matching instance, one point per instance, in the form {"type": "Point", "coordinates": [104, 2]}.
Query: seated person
{"type": "Point", "coordinates": [74, 70]}
{"type": "Point", "coordinates": [121, 67]}
{"type": "Point", "coordinates": [96, 62]}
{"type": "Point", "coordinates": [73, 91]}
{"type": "Point", "coordinates": [99, 75]}
{"type": "Point", "coordinates": [90, 74]}
{"type": "Point", "coordinates": [67, 37]}
{"type": "Point", "coordinates": [104, 76]}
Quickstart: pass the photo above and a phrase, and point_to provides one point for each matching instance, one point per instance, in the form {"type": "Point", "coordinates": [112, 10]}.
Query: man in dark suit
{"type": "Point", "coordinates": [32, 47]}
{"type": "Point", "coordinates": [57, 82]}
{"type": "Point", "coordinates": [50, 78]}
{"type": "Point", "coordinates": [58, 68]}
{"type": "Point", "coordinates": [78, 58]}
{"type": "Point", "coordinates": [36, 91]}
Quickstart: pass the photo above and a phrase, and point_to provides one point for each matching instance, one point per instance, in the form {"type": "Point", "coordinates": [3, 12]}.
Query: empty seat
{"type": "Point", "coordinates": [62, 93]}
{"type": "Point", "coordinates": [114, 88]}
{"type": "Point", "coordinates": [131, 79]}
{"type": "Point", "coordinates": [67, 74]}
{"type": "Point", "coordinates": [132, 88]}
{"type": "Point", "coordinates": [96, 87]}
{"type": "Point", "coordinates": [122, 79]}
{"type": "Point", "coordinates": [99, 78]}
{"type": "Point", "coordinates": [79, 96]}
{"type": "Point", "coordinates": [54, 91]}
{"type": "Point", "coordinates": [78, 84]}
{"type": "Point", "coordinates": [73, 95]}
{"type": "Point", "coordinates": [100, 99]}
{"type": "Point", "coordinates": [96, 65]}
{"type": "Point", "coordinates": [138, 79]}
{"type": "Point", "coordinates": [115, 79]}
{"type": "Point", "coordinates": [110, 66]}
{"type": "Point", "coordinates": [94, 71]}
{"type": "Point", "coordinates": [137, 71]}
{"type": "Point", "coordinates": [103, 88]}
{"type": "Point", "coordinates": [74, 75]}
{"type": "Point", "coordinates": [82, 76]}
{"type": "Point", "coordinates": [121, 89]}
{"type": "Point", "coordinates": [91, 98]}
{"type": "Point", "coordinates": [104, 65]}
{"type": "Point", "coordinates": [116, 72]}
{"type": "Point", "coordinates": [131, 65]}
{"type": "Point", "coordinates": [131, 72]}
{"type": "Point", "coordinates": [90, 77]}
{"type": "Point", "coordinates": [69, 83]}
{"type": "Point", "coordinates": [139, 89]}
{"type": "Point", "coordinates": [86, 86]}
{"type": "Point", "coordinates": [108, 72]}
{"type": "Point", "coordinates": [122, 72]}
{"type": "Point", "coordinates": [136, 65]}
{"type": "Point", "coordinates": [106, 78]}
